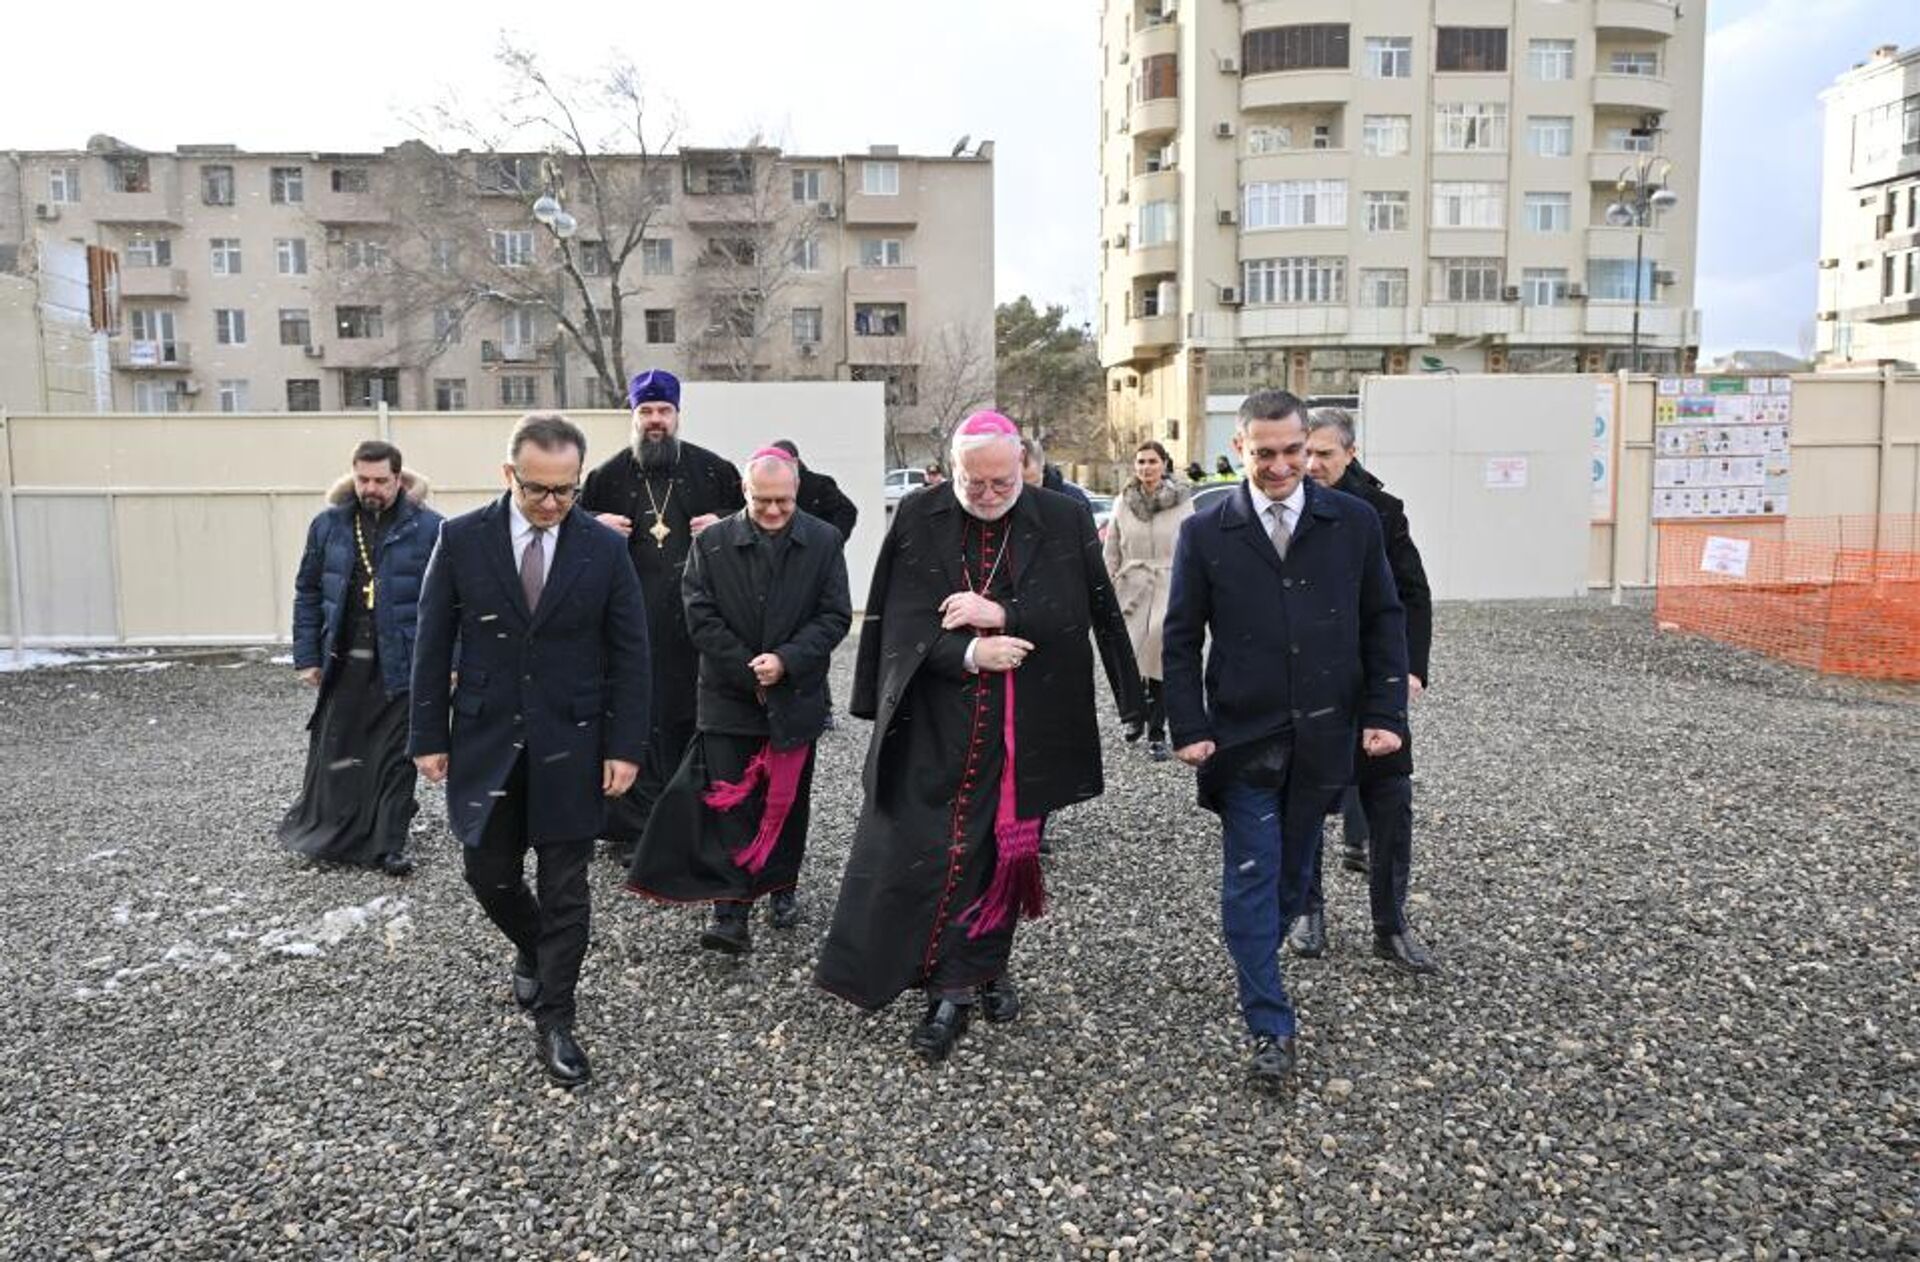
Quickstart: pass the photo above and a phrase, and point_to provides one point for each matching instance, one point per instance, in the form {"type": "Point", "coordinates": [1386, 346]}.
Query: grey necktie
{"type": "Point", "coordinates": [533, 568]}
{"type": "Point", "coordinates": [1279, 533]}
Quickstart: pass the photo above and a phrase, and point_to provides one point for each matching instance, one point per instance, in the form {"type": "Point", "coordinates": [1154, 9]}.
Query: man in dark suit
{"type": "Point", "coordinates": [550, 714]}
{"type": "Point", "coordinates": [1384, 792]}
{"type": "Point", "coordinates": [1308, 659]}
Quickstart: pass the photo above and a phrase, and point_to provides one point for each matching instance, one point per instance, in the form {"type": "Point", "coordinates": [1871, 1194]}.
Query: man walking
{"type": "Point", "coordinates": [549, 716]}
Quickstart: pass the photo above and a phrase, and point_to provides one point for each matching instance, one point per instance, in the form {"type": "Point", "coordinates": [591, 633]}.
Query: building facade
{"type": "Point", "coordinates": [1869, 297]}
{"type": "Point", "coordinates": [270, 282]}
{"type": "Point", "coordinates": [1303, 192]}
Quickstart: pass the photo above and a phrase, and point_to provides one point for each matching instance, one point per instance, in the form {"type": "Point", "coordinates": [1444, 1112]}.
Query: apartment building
{"type": "Point", "coordinates": [1869, 296]}
{"type": "Point", "coordinates": [270, 282]}
{"type": "Point", "coordinates": [1303, 192]}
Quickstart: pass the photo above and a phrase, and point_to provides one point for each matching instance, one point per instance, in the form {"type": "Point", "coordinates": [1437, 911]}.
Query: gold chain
{"type": "Point", "coordinates": [360, 540]}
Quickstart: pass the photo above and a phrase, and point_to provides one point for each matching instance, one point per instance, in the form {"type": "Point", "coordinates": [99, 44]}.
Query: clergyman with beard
{"type": "Point", "coordinates": [660, 492]}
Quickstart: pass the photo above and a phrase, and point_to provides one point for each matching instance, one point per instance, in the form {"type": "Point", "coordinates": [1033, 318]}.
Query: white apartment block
{"type": "Point", "coordinates": [1869, 298]}
{"type": "Point", "coordinates": [270, 282]}
{"type": "Point", "coordinates": [1298, 193]}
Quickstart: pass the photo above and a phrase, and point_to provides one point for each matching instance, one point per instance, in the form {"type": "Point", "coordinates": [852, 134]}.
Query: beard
{"type": "Point", "coordinates": [989, 514]}
{"type": "Point", "coordinates": [373, 507]}
{"type": "Point", "coordinates": [656, 453]}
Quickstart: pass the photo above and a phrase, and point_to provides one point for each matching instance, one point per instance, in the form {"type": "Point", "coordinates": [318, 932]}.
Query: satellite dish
{"type": "Point", "coordinates": [960, 146]}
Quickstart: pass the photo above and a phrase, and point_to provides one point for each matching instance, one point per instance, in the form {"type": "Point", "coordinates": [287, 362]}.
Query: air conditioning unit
{"type": "Point", "coordinates": [1169, 8]}
{"type": "Point", "coordinates": [189, 387]}
{"type": "Point", "coordinates": [1125, 56]}
{"type": "Point", "coordinates": [313, 352]}
{"type": "Point", "coordinates": [1661, 276]}
{"type": "Point", "coordinates": [1223, 130]}
{"type": "Point", "coordinates": [46, 212]}
{"type": "Point", "coordinates": [827, 210]}
{"type": "Point", "coordinates": [1229, 65]}
{"type": "Point", "coordinates": [1126, 125]}
{"type": "Point", "coordinates": [1576, 291]}
{"type": "Point", "coordinates": [1123, 196]}
{"type": "Point", "coordinates": [1510, 294]}
{"type": "Point", "coordinates": [808, 350]}
{"type": "Point", "coordinates": [336, 235]}
{"type": "Point", "coordinates": [1882, 225]}
{"type": "Point", "coordinates": [1226, 217]}
{"type": "Point", "coordinates": [1120, 241]}
{"type": "Point", "coordinates": [1229, 296]}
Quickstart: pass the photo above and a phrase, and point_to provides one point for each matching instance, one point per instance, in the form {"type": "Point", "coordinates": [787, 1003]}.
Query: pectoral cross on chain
{"type": "Point", "coordinates": [368, 591]}
{"type": "Point", "coordinates": [659, 530]}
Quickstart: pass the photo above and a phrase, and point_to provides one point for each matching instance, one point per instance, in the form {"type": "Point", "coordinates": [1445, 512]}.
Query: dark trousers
{"type": "Point", "coordinates": [1156, 709]}
{"type": "Point", "coordinates": [550, 929]}
{"type": "Point", "coordinates": [1263, 881]}
{"type": "Point", "coordinates": [1385, 805]}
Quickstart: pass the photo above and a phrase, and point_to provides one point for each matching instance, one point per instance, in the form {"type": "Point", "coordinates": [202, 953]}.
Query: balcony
{"type": "Point", "coordinates": [1618, 243]}
{"type": "Point", "coordinates": [160, 204]}
{"type": "Point", "coordinates": [1152, 334]}
{"type": "Point", "coordinates": [153, 282]}
{"type": "Point", "coordinates": [161, 356]}
{"type": "Point", "coordinates": [883, 284]}
{"type": "Point", "coordinates": [1259, 322]}
{"type": "Point", "coordinates": [1657, 322]}
{"type": "Point", "coordinates": [515, 352]}
{"type": "Point", "coordinates": [1257, 15]}
{"type": "Point", "coordinates": [1471, 319]}
{"type": "Point", "coordinates": [1159, 40]}
{"type": "Point", "coordinates": [1552, 324]}
{"type": "Point", "coordinates": [1213, 328]}
{"type": "Point", "coordinates": [1289, 89]}
{"type": "Point", "coordinates": [1635, 17]}
{"type": "Point", "coordinates": [1606, 166]}
{"type": "Point", "coordinates": [1300, 164]}
{"type": "Point", "coordinates": [1388, 325]}
{"type": "Point", "coordinates": [1154, 186]}
{"type": "Point", "coordinates": [884, 210]}
{"type": "Point", "coordinates": [718, 210]}
{"type": "Point", "coordinates": [331, 208]}
{"type": "Point", "coordinates": [1154, 118]}
{"type": "Point", "coordinates": [1643, 93]}
{"type": "Point", "coordinates": [1154, 260]}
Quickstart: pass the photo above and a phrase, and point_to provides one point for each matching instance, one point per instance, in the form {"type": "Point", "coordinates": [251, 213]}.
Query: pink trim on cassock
{"type": "Point", "coordinates": [1018, 890]}
{"type": "Point", "coordinates": [779, 770]}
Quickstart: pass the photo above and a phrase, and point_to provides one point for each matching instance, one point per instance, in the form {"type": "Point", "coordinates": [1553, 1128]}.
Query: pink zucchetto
{"type": "Point", "coordinates": [771, 453]}
{"type": "Point", "coordinates": [982, 424]}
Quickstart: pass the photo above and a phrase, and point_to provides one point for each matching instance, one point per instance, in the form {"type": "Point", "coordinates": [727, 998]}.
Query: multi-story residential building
{"type": "Point", "coordinates": [1302, 192]}
{"type": "Point", "coordinates": [308, 281]}
{"type": "Point", "coordinates": [1869, 298]}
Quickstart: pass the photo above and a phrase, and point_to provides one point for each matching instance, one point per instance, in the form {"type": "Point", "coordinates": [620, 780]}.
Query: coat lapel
{"type": "Point", "coordinates": [946, 526]}
{"type": "Point", "coordinates": [570, 558]}
{"type": "Point", "coordinates": [1238, 516]}
{"type": "Point", "coordinates": [500, 557]}
{"type": "Point", "coordinates": [1025, 539]}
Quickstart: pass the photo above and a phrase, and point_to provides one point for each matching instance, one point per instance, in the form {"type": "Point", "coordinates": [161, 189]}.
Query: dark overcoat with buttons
{"type": "Point", "coordinates": [566, 682]}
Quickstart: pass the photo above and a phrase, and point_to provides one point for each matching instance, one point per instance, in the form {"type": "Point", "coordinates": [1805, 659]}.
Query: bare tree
{"type": "Point", "coordinates": [933, 383]}
{"type": "Point", "coordinates": [760, 243]}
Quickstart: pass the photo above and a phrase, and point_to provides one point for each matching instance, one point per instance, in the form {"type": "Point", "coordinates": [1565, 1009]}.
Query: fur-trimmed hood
{"type": "Point", "coordinates": [416, 485]}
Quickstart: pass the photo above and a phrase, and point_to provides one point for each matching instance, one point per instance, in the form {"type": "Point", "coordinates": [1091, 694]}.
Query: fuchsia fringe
{"type": "Point", "coordinates": [779, 770]}
{"type": "Point", "coordinates": [1018, 890]}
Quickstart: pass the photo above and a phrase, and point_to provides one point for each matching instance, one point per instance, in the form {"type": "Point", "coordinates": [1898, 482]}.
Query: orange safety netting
{"type": "Point", "coordinates": [1837, 594]}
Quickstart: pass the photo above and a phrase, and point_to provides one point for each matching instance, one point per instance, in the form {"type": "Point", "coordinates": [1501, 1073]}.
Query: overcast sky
{"type": "Point", "coordinates": [837, 75]}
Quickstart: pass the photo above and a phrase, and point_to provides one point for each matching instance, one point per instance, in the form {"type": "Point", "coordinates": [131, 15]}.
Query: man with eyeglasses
{"type": "Point", "coordinates": [976, 665]}
{"type": "Point", "coordinates": [660, 491]}
{"type": "Point", "coordinates": [549, 716]}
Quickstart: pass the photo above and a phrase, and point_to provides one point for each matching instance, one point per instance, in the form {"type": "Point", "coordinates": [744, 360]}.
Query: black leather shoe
{"type": "Point", "coordinates": [526, 981]}
{"type": "Point", "coordinates": [1158, 751]}
{"type": "Point", "coordinates": [396, 863]}
{"type": "Point", "coordinates": [1354, 859]}
{"type": "Point", "coordinates": [783, 909]}
{"type": "Point", "coordinates": [1308, 937]}
{"type": "Point", "coordinates": [1273, 1060]}
{"type": "Point", "coordinates": [564, 1060]}
{"type": "Point", "coordinates": [729, 931]}
{"type": "Point", "coordinates": [1405, 951]}
{"type": "Point", "coordinates": [941, 1028]}
{"type": "Point", "coordinates": [999, 1001]}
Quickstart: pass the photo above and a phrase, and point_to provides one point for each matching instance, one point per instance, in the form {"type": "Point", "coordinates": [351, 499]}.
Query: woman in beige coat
{"type": "Point", "coordinates": [1139, 552]}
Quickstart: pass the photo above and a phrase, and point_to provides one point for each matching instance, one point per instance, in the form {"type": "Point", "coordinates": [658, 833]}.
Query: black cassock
{"type": "Point", "coordinates": [357, 797]}
{"type": "Point", "coordinates": [698, 482]}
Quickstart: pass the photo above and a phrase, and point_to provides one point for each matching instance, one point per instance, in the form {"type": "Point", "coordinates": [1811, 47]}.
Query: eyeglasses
{"type": "Point", "coordinates": [536, 492]}
{"type": "Point", "coordinates": [999, 486]}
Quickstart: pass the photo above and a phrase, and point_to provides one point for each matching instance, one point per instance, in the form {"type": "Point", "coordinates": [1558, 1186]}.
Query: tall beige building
{"type": "Point", "coordinates": [1869, 299]}
{"type": "Point", "coordinates": [310, 281]}
{"type": "Point", "coordinates": [1303, 192]}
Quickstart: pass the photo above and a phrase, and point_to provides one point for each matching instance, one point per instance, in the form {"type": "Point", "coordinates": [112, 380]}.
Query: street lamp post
{"type": "Point", "coordinates": [1641, 190]}
{"type": "Point", "coordinates": [551, 215]}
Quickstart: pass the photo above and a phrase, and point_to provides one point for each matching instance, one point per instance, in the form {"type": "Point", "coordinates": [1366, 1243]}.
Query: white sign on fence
{"type": "Point", "coordinates": [1506, 473]}
{"type": "Point", "coordinates": [1726, 556]}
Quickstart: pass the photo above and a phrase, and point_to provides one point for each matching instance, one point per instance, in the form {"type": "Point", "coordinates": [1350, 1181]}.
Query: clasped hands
{"type": "Point", "coordinates": [990, 652]}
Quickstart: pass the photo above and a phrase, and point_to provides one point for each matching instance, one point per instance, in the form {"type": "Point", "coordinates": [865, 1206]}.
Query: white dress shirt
{"type": "Point", "coordinates": [1288, 508]}
{"type": "Point", "coordinates": [522, 530]}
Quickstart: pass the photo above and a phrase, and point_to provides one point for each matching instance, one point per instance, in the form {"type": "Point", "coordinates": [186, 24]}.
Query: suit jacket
{"type": "Point", "coordinates": [821, 496]}
{"type": "Point", "coordinates": [1060, 593]}
{"type": "Point", "coordinates": [565, 684]}
{"type": "Point", "coordinates": [800, 615]}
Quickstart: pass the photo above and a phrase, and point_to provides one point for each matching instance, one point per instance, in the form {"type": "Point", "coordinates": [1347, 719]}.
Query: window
{"type": "Point", "coordinates": [1383, 286]}
{"type": "Point", "coordinates": [1631, 61]}
{"type": "Point", "coordinates": [882, 252]}
{"type": "Point", "coordinates": [658, 180]}
{"type": "Point", "coordinates": [660, 330]}
{"type": "Point", "coordinates": [1389, 57]}
{"type": "Point", "coordinates": [880, 179]}
{"type": "Point", "coordinates": [1611, 280]}
{"type": "Point", "coordinates": [361, 255]}
{"type": "Point", "coordinates": [1294, 204]}
{"type": "Point", "coordinates": [150, 252]}
{"type": "Point", "coordinates": [303, 394]}
{"type": "Point", "coordinates": [1469, 205]}
{"type": "Point", "coordinates": [290, 256]}
{"type": "Point", "coordinates": [286, 186]}
{"type": "Point", "coordinates": [498, 174]}
{"type": "Point", "coordinates": [1162, 158]}
{"type": "Point", "coordinates": [1159, 298]}
{"type": "Point", "coordinates": [1298, 281]}
{"type": "Point", "coordinates": [592, 258]}
{"type": "Point", "coordinates": [128, 175]}
{"type": "Point", "coordinates": [1550, 58]}
{"type": "Point", "coordinates": [446, 326]}
{"type": "Point", "coordinates": [1544, 286]}
{"type": "Point", "coordinates": [226, 255]}
{"type": "Point", "coordinates": [349, 179]}
{"type": "Point", "coordinates": [63, 184]}
{"type": "Point", "coordinates": [155, 327]}
{"type": "Point", "coordinates": [156, 396]}
{"type": "Point", "coordinates": [1386, 212]}
{"type": "Point", "coordinates": [1157, 79]}
{"type": "Point", "coordinates": [512, 248]}
{"type": "Point", "coordinates": [880, 319]}
{"type": "Point", "coordinates": [656, 256]}
{"type": "Point", "coordinates": [806, 254]}
{"type": "Point", "coordinates": [1275, 138]}
{"type": "Point", "coordinates": [1550, 136]}
{"type": "Point", "coordinates": [1318, 46]}
{"type": "Point", "coordinates": [443, 255]}
{"type": "Point", "coordinates": [517, 392]}
{"type": "Point", "coordinates": [230, 326]}
{"type": "Point", "coordinates": [216, 185]}
{"type": "Point", "coordinates": [902, 381]}
{"type": "Point", "coordinates": [233, 396]}
{"type": "Point", "coordinates": [808, 326]}
{"type": "Point", "coordinates": [449, 394]}
{"type": "Point", "coordinates": [359, 322]}
{"type": "Point", "coordinates": [1629, 140]}
{"type": "Point", "coordinates": [806, 185]}
{"type": "Point", "coordinates": [1471, 49]}
{"type": "Point", "coordinates": [1466, 280]}
{"type": "Point", "coordinates": [516, 330]}
{"type": "Point", "coordinates": [296, 327]}
{"type": "Point", "coordinates": [1386, 135]}
{"type": "Point", "coordinates": [1549, 212]}
{"type": "Point", "coordinates": [1469, 126]}
{"type": "Point", "coordinates": [1157, 223]}
{"type": "Point", "coordinates": [369, 387]}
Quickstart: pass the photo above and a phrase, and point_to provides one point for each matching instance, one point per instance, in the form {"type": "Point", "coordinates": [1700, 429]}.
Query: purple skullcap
{"type": "Point", "coordinates": [656, 385]}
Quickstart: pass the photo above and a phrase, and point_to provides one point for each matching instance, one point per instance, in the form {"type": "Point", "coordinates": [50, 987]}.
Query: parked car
{"type": "Point", "coordinates": [1207, 494]}
{"type": "Point", "coordinates": [1102, 506]}
{"type": "Point", "coordinates": [900, 481]}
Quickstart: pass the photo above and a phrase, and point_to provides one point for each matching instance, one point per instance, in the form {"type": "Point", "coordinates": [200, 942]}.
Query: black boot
{"type": "Point", "coordinates": [1405, 951]}
{"type": "Point", "coordinates": [526, 981]}
{"type": "Point", "coordinates": [1273, 1060]}
{"type": "Point", "coordinates": [729, 932]}
{"type": "Point", "coordinates": [564, 1060]}
{"type": "Point", "coordinates": [999, 1001]}
{"type": "Point", "coordinates": [396, 863]}
{"type": "Point", "coordinates": [1308, 938]}
{"type": "Point", "coordinates": [940, 1029]}
{"type": "Point", "coordinates": [783, 909]}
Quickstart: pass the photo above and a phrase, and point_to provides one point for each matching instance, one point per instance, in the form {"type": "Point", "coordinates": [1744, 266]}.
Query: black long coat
{"type": "Point", "coordinates": [1410, 580]}
{"type": "Point", "coordinates": [565, 683]}
{"type": "Point", "coordinates": [1060, 593]}
{"type": "Point", "coordinates": [821, 496]}
{"type": "Point", "coordinates": [733, 618]}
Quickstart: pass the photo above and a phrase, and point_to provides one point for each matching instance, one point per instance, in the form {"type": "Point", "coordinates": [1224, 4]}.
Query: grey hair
{"type": "Point", "coordinates": [1271, 405]}
{"type": "Point", "coordinates": [974, 442]}
{"type": "Point", "coordinates": [1337, 419]}
{"type": "Point", "coordinates": [770, 462]}
{"type": "Point", "coordinates": [1032, 449]}
{"type": "Point", "coordinates": [549, 431]}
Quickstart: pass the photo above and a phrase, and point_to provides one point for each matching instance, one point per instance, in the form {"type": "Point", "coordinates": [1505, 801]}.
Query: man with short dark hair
{"type": "Point", "coordinates": [355, 602]}
{"type": "Point", "coordinates": [550, 714]}
{"type": "Point", "coordinates": [1035, 471]}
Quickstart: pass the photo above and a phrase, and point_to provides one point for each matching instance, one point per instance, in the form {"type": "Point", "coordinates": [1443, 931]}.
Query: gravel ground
{"type": "Point", "coordinates": [1672, 886]}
